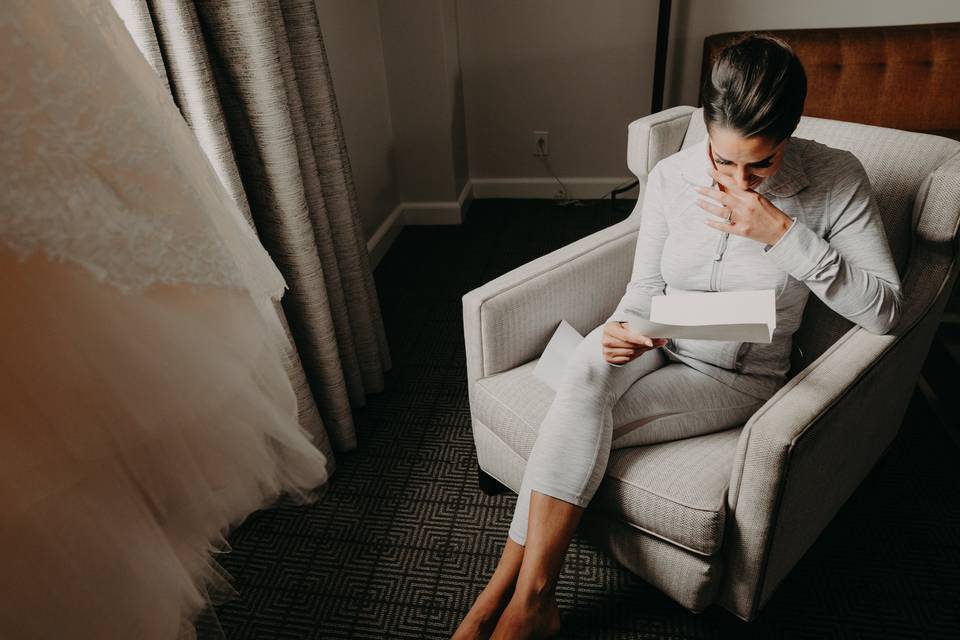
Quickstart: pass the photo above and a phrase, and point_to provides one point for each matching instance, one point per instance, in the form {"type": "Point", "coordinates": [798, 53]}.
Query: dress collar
{"type": "Point", "coordinates": [789, 180]}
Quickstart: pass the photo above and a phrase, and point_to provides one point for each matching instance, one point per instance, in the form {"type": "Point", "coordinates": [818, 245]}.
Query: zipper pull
{"type": "Point", "coordinates": [721, 247]}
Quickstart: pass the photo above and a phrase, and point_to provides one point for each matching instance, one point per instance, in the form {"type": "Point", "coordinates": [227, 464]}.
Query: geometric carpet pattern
{"type": "Point", "coordinates": [403, 540]}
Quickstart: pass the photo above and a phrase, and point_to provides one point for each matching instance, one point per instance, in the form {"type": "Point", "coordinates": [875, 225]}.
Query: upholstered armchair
{"type": "Point", "coordinates": [724, 517]}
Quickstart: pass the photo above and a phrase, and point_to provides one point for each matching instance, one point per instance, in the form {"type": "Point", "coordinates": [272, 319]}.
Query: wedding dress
{"type": "Point", "coordinates": [144, 405]}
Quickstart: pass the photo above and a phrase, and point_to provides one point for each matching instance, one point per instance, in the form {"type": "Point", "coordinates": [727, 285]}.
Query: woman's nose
{"type": "Point", "coordinates": [742, 178]}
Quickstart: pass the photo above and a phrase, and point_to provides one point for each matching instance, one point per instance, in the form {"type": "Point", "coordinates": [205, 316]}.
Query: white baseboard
{"type": "Point", "coordinates": [410, 213]}
{"type": "Point", "coordinates": [546, 188]}
{"type": "Point", "coordinates": [382, 239]}
{"type": "Point", "coordinates": [439, 212]}
{"type": "Point", "coordinates": [420, 213]}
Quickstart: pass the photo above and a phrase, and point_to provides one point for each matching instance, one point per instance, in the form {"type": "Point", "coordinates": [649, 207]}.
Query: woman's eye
{"type": "Point", "coordinates": [761, 165]}
{"type": "Point", "coordinates": [719, 161]}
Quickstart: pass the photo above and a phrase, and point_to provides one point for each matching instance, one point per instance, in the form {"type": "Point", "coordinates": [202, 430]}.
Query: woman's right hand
{"type": "Point", "coordinates": [620, 345]}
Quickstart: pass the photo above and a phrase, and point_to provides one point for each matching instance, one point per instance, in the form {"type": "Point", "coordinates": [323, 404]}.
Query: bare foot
{"type": "Point", "coordinates": [532, 619]}
{"type": "Point", "coordinates": [483, 615]}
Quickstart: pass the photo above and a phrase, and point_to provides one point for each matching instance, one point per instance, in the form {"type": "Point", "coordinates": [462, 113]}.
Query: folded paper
{"type": "Point", "coordinates": [744, 316]}
{"type": "Point", "coordinates": [553, 362]}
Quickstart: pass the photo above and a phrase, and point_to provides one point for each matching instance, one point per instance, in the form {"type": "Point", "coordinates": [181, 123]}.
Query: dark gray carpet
{"type": "Point", "coordinates": [403, 541]}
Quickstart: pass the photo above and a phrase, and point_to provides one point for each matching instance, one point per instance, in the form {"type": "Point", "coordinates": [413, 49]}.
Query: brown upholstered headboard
{"type": "Point", "coordinates": [905, 77]}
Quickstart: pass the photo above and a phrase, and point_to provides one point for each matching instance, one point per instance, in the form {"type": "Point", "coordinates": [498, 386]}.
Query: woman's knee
{"type": "Point", "coordinates": [587, 381]}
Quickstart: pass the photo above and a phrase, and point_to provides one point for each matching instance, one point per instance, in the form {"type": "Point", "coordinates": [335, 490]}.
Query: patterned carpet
{"type": "Point", "coordinates": [403, 540]}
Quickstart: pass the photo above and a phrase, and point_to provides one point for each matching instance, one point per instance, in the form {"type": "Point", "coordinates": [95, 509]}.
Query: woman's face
{"type": "Point", "coordinates": [747, 160]}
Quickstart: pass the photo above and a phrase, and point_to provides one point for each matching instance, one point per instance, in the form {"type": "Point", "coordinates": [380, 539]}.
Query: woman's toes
{"type": "Point", "coordinates": [551, 625]}
{"type": "Point", "coordinates": [479, 621]}
{"type": "Point", "coordinates": [524, 621]}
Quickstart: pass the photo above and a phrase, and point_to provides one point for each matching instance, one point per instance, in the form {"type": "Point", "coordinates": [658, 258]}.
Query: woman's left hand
{"type": "Point", "coordinates": [749, 213]}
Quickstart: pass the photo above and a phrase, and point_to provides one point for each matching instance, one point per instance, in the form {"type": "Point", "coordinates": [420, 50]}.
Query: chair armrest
{"type": "Point", "coordinates": [652, 138]}
{"type": "Point", "coordinates": [803, 453]}
{"type": "Point", "coordinates": [509, 320]}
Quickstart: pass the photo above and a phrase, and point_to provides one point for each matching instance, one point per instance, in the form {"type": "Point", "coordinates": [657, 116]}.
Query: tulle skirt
{"type": "Point", "coordinates": [135, 430]}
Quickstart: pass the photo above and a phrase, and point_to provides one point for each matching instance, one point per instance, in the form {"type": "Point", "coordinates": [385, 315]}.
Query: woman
{"type": "Point", "coordinates": [750, 207]}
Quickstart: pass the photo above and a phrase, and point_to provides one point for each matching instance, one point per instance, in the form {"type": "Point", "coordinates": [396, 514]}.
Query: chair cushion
{"type": "Point", "coordinates": [675, 491]}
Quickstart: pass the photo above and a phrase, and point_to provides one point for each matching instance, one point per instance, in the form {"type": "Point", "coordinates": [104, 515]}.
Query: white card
{"type": "Point", "coordinates": [745, 316]}
{"type": "Point", "coordinates": [553, 362]}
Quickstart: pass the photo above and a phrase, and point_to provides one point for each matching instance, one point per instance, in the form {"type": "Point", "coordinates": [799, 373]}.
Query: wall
{"type": "Point", "coordinates": [495, 70]}
{"type": "Point", "coordinates": [581, 70]}
{"type": "Point", "coordinates": [693, 20]}
{"type": "Point", "coordinates": [421, 50]}
{"type": "Point", "coordinates": [352, 39]}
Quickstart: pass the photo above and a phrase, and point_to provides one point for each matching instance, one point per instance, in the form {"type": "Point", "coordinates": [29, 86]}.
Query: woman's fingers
{"type": "Point", "coordinates": [621, 337]}
{"type": "Point", "coordinates": [715, 194]}
{"type": "Point", "coordinates": [621, 352]}
{"type": "Point", "coordinates": [720, 212]}
{"type": "Point", "coordinates": [627, 338]}
{"type": "Point", "coordinates": [730, 184]}
{"type": "Point", "coordinates": [619, 355]}
{"type": "Point", "coordinates": [736, 194]}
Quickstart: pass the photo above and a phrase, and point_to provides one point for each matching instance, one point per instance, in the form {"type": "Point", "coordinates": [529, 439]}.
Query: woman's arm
{"type": "Point", "coordinates": [852, 270]}
{"type": "Point", "coordinates": [646, 280]}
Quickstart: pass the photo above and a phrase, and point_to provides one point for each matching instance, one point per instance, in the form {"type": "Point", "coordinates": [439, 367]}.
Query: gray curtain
{"type": "Point", "coordinates": [252, 81]}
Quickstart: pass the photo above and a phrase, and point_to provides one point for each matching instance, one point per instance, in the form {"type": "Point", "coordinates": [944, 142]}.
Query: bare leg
{"type": "Point", "coordinates": [532, 611]}
{"type": "Point", "coordinates": [482, 617]}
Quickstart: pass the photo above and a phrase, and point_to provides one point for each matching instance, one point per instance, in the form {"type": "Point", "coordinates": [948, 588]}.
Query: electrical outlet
{"type": "Point", "coordinates": [541, 143]}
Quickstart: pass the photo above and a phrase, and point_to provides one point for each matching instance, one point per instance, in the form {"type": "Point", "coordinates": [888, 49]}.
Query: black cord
{"type": "Point", "coordinates": [565, 199]}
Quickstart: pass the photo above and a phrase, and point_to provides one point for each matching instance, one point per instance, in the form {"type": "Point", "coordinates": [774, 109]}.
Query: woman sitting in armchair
{"type": "Point", "coordinates": [749, 207]}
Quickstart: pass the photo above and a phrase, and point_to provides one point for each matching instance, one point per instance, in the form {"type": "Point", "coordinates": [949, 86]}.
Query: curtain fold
{"type": "Point", "coordinates": [252, 81]}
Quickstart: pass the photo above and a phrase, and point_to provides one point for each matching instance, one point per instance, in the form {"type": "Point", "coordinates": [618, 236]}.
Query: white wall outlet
{"type": "Point", "coordinates": [541, 143]}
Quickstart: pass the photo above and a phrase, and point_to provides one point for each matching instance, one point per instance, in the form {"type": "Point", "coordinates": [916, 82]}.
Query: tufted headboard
{"type": "Point", "coordinates": [903, 77]}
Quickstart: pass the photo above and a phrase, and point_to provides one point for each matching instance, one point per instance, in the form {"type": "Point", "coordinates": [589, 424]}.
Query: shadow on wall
{"type": "Point", "coordinates": [679, 24]}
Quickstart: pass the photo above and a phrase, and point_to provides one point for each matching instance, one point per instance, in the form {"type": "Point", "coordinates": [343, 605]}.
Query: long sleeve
{"type": "Point", "coordinates": [852, 270]}
{"type": "Point", "coordinates": [646, 280]}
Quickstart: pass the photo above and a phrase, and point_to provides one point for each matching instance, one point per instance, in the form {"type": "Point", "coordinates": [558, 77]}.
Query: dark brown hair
{"type": "Point", "coordinates": [756, 87]}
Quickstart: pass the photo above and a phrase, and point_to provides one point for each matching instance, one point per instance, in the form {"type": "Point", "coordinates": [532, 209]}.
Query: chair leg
{"type": "Point", "coordinates": [490, 485]}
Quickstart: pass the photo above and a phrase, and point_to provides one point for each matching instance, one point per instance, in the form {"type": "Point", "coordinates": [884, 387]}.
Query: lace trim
{"type": "Point", "coordinates": [99, 166]}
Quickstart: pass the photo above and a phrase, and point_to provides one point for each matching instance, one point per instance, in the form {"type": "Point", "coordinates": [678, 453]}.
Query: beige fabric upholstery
{"type": "Point", "coordinates": [654, 137]}
{"type": "Point", "coordinates": [839, 411]}
{"type": "Point", "coordinates": [675, 490]}
{"type": "Point", "coordinates": [692, 580]}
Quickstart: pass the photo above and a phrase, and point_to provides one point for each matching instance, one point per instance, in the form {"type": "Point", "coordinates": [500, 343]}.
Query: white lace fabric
{"type": "Point", "coordinates": [101, 169]}
{"type": "Point", "coordinates": [144, 403]}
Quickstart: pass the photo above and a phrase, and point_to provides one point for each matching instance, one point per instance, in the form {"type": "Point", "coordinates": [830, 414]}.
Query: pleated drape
{"type": "Point", "coordinates": [252, 81]}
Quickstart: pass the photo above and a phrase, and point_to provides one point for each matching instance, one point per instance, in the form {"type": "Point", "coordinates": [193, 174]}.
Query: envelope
{"type": "Point", "coordinates": [553, 360]}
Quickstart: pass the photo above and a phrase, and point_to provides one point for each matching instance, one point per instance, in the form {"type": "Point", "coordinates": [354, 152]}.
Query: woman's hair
{"type": "Point", "coordinates": [756, 87]}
